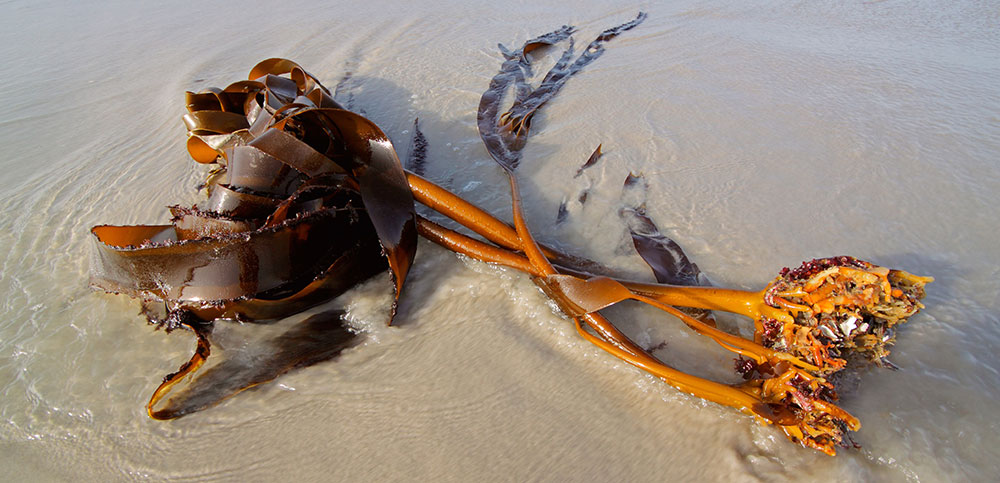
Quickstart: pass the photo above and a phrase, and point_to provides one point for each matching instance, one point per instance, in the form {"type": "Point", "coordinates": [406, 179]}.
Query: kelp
{"type": "Point", "coordinates": [308, 200]}
{"type": "Point", "coordinates": [844, 307]}
{"type": "Point", "coordinates": [667, 260]}
{"type": "Point", "coordinates": [592, 160]}
{"type": "Point", "coordinates": [416, 161]}
{"type": "Point", "coordinates": [505, 134]}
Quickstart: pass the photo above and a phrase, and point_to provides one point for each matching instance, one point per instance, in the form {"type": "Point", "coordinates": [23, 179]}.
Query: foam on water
{"type": "Point", "coordinates": [770, 132]}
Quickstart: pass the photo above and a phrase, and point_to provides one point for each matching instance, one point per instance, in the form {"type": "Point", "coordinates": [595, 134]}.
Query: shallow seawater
{"type": "Point", "coordinates": [769, 133]}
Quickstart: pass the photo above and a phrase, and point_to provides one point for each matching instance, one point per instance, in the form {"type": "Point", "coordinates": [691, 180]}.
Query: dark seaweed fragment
{"type": "Point", "coordinates": [562, 214]}
{"type": "Point", "coordinates": [416, 161]}
{"type": "Point", "coordinates": [592, 160]}
{"type": "Point", "coordinates": [667, 260]}
{"type": "Point", "coordinates": [664, 256]}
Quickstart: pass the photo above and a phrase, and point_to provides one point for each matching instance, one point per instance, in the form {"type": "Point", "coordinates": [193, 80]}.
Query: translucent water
{"type": "Point", "coordinates": [769, 133]}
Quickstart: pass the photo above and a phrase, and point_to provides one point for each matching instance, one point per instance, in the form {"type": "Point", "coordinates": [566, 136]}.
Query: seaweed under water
{"type": "Point", "coordinates": [307, 199]}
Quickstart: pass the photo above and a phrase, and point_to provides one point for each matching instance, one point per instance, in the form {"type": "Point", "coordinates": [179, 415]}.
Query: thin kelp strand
{"type": "Point", "coordinates": [416, 160]}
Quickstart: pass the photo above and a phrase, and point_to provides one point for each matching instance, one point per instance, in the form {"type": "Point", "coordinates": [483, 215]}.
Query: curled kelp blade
{"type": "Point", "coordinates": [504, 134]}
{"type": "Point", "coordinates": [231, 357]}
{"type": "Point", "coordinates": [256, 234]}
{"type": "Point", "coordinates": [155, 263]}
{"type": "Point", "coordinates": [306, 201]}
{"type": "Point", "coordinates": [272, 339]}
{"type": "Point", "coordinates": [294, 132]}
{"type": "Point", "coordinates": [513, 74]}
{"type": "Point", "coordinates": [354, 266]}
{"type": "Point", "coordinates": [371, 159]}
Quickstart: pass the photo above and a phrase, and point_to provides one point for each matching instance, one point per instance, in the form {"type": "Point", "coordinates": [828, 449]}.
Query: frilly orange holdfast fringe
{"type": "Point", "coordinates": [306, 200]}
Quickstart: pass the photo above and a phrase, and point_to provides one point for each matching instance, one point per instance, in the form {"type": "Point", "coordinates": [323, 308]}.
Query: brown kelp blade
{"type": "Point", "coordinates": [513, 72]}
{"type": "Point", "coordinates": [246, 355]}
{"type": "Point", "coordinates": [664, 256]}
{"type": "Point", "coordinates": [317, 339]}
{"type": "Point", "coordinates": [520, 113]}
{"type": "Point", "coordinates": [307, 201]}
{"type": "Point", "coordinates": [294, 121]}
{"type": "Point", "coordinates": [355, 145]}
{"type": "Point", "coordinates": [153, 263]}
{"type": "Point", "coordinates": [505, 134]}
{"type": "Point", "coordinates": [667, 260]}
{"type": "Point", "coordinates": [381, 180]}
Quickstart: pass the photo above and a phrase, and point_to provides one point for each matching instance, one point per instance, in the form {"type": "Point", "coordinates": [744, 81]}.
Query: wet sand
{"type": "Point", "coordinates": [770, 133]}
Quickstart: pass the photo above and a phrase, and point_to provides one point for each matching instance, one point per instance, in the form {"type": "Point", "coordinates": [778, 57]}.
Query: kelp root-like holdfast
{"type": "Point", "coordinates": [307, 200]}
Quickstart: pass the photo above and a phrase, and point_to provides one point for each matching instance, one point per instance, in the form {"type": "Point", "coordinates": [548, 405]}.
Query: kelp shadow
{"type": "Point", "coordinates": [250, 358]}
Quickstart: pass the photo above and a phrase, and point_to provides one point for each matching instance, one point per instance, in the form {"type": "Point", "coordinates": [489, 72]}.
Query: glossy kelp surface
{"type": "Point", "coordinates": [306, 201]}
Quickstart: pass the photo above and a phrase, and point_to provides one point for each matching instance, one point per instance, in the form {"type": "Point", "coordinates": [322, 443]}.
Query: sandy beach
{"type": "Point", "coordinates": [769, 133]}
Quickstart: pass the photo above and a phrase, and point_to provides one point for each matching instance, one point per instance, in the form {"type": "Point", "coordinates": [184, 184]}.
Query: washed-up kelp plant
{"type": "Point", "coordinates": [306, 200]}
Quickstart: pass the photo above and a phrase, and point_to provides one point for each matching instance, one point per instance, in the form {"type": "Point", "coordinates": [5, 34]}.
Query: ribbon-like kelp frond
{"type": "Point", "coordinates": [307, 201]}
